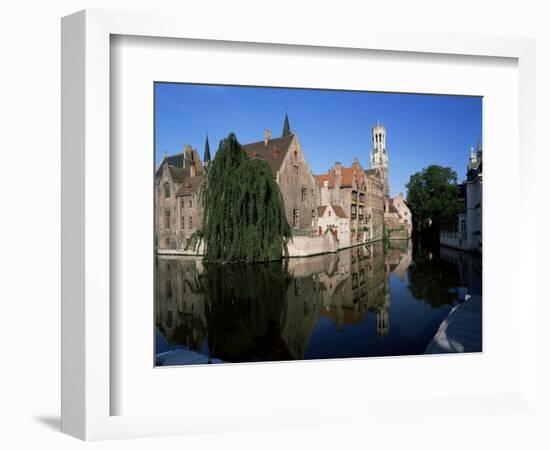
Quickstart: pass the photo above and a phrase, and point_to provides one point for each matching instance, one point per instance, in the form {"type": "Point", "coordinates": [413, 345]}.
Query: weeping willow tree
{"type": "Point", "coordinates": [244, 218]}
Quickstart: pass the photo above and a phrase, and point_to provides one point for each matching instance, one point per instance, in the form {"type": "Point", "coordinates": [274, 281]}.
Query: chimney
{"type": "Point", "coordinates": [267, 136]}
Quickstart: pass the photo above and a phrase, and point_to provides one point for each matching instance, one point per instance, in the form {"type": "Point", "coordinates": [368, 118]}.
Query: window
{"type": "Point", "coordinates": [296, 168]}
{"type": "Point", "coordinates": [182, 203]}
{"type": "Point", "coordinates": [353, 211]}
{"type": "Point", "coordinates": [304, 194]}
{"type": "Point", "coordinates": [168, 289]}
{"type": "Point", "coordinates": [190, 222]}
{"type": "Point", "coordinates": [167, 219]}
{"type": "Point", "coordinates": [183, 223]}
{"type": "Point", "coordinates": [295, 218]}
{"type": "Point", "coordinates": [167, 190]}
{"type": "Point", "coordinates": [190, 203]}
{"type": "Point", "coordinates": [167, 241]}
{"type": "Point", "coordinates": [329, 213]}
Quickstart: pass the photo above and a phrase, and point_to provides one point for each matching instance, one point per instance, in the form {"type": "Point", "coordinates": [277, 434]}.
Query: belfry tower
{"type": "Point", "coordinates": [379, 155]}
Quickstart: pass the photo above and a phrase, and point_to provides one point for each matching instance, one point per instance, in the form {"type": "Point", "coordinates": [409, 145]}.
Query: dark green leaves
{"type": "Point", "coordinates": [244, 217]}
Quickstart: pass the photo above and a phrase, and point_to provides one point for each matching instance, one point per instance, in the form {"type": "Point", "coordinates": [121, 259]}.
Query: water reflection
{"type": "Point", "coordinates": [364, 301]}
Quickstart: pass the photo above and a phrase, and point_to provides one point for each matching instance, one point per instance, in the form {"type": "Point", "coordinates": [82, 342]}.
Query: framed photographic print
{"type": "Point", "coordinates": [249, 218]}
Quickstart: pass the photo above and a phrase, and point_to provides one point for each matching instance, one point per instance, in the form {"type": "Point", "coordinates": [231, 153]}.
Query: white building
{"type": "Point", "coordinates": [333, 219]}
{"type": "Point", "coordinates": [474, 200]}
{"type": "Point", "coordinates": [465, 232]}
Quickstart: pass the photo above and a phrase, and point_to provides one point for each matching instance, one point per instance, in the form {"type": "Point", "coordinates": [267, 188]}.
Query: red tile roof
{"type": "Point", "coordinates": [339, 211]}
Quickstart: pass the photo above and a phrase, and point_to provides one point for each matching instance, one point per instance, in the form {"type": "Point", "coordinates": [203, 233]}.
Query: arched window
{"type": "Point", "coordinates": [167, 190]}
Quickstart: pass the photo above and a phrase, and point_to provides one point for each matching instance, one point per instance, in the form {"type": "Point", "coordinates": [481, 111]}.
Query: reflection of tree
{"type": "Point", "coordinates": [431, 279]}
{"type": "Point", "coordinates": [246, 310]}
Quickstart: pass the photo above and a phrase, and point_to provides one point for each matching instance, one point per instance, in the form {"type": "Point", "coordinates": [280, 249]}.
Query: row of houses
{"type": "Point", "coordinates": [344, 207]}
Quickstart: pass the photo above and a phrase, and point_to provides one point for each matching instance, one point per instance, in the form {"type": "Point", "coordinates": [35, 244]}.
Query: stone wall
{"type": "Point", "coordinates": [191, 211]}
{"type": "Point", "coordinates": [297, 185]}
{"type": "Point", "coordinates": [166, 206]}
{"type": "Point", "coordinates": [312, 245]}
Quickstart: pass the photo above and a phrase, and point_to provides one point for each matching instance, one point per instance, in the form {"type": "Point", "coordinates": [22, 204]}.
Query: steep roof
{"type": "Point", "coordinates": [206, 151]}
{"type": "Point", "coordinates": [190, 185]}
{"type": "Point", "coordinates": [391, 207]}
{"type": "Point", "coordinates": [339, 211]}
{"type": "Point", "coordinates": [286, 126]}
{"type": "Point", "coordinates": [347, 176]}
{"type": "Point", "coordinates": [178, 174]}
{"type": "Point", "coordinates": [273, 153]}
{"type": "Point", "coordinates": [179, 165]}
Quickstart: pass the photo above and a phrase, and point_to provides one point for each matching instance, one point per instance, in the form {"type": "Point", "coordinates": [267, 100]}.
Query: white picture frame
{"type": "Point", "coordinates": [87, 385]}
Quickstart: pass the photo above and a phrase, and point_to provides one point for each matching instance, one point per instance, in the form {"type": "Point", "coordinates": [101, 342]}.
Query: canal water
{"type": "Point", "coordinates": [365, 301]}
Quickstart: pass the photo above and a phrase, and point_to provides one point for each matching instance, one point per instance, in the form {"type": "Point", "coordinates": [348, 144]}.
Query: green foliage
{"type": "Point", "coordinates": [244, 218]}
{"type": "Point", "coordinates": [386, 233]}
{"type": "Point", "coordinates": [432, 194]}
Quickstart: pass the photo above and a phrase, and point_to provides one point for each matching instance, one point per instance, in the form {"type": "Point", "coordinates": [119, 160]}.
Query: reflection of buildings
{"type": "Point", "coordinates": [179, 302]}
{"type": "Point", "coordinates": [468, 267]}
{"type": "Point", "coordinates": [247, 322]}
{"type": "Point", "coordinates": [399, 258]}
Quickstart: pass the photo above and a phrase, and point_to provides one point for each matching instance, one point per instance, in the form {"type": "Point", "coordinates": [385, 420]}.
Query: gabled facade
{"type": "Point", "coordinates": [285, 157]}
{"type": "Point", "coordinates": [169, 179]}
{"type": "Point", "coordinates": [398, 218]}
{"type": "Point", "coordinates": [347, 188]}
{"type": "Point", "coordinates": [333, 219]}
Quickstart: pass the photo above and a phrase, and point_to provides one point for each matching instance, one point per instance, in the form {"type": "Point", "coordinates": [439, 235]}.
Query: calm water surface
{"type": "Point", "coordinates": [364, 301]}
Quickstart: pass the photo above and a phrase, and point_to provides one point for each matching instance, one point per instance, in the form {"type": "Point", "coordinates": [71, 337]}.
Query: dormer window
{"type": "Point", "coordinates": [167, 190]}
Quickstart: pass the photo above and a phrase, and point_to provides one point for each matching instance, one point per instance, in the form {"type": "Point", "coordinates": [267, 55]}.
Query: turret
{"type": "Point", "coordinates": [286, 126]}
{"type": "Point", "coordinates": [206, 159]}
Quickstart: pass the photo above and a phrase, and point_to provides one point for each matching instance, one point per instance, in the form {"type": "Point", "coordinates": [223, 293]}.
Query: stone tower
{"type": "Point", "coordinates": [379, 155]}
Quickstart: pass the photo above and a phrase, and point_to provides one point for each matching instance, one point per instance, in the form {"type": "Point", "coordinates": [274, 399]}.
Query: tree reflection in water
{"type": "Point", "coordinates": [363, 301]}
{"type": "Point", "coordinates": [246, 310]}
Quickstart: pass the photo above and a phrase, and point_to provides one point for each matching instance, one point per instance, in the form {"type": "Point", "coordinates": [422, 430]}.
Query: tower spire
{"type": "Point", "coordinates": [286, 126]}
{"type": "Point", "coordinates": [206, 158]}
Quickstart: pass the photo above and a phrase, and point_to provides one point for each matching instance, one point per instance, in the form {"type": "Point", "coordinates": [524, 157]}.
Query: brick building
{"type": "Point", "coordinates": [347, 187]}
{"type": "Point", "coordinates": [287, 162]}
{"type": "Point", "coordinates": [398, 218]}
{"type": "Point", "coordinates": [178, 178]}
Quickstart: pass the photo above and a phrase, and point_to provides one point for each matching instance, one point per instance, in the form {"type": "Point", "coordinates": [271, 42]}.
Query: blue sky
{"type": "Point", "coordinates": [331, 125]}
